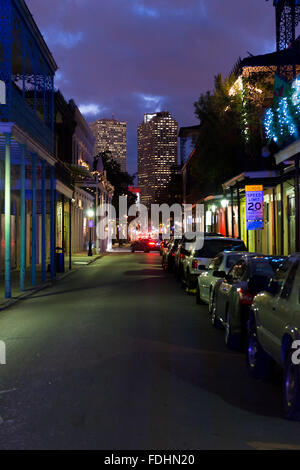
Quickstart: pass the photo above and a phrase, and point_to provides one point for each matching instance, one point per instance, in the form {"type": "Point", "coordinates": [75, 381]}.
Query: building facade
{"type": "Point", "coordinates": [157, 154]}
{"type": "Point", "coordinates": [37, 181]}
{"type": "Point", "coordinates": [111, 135]}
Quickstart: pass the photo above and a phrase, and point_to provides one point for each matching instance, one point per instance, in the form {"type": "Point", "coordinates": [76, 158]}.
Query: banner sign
{"type": "Point", "coordinates": [254, 207]}
{"type": "Point", "coordinates": [2, 92]}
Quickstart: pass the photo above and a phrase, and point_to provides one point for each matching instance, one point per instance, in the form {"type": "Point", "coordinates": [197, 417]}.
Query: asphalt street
{"type": "Point", "coordinates": [118, 356]}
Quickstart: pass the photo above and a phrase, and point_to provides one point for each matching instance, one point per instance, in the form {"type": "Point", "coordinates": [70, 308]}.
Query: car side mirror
{"type": "Point", "coordinates": [219, 274]}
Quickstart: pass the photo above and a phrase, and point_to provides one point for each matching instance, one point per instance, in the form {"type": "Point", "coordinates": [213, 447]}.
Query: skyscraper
{"type": "Point", "coordinates": [111, 135]}
{"type": "Point", "coordinates": [157, 153]}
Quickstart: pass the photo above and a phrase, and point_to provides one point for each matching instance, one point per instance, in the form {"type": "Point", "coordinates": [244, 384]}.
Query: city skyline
{"type": "Point", "coordinates": [152, 56]}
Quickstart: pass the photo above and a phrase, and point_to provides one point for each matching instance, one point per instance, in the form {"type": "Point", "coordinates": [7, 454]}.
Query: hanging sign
{"type": "Point", "coordinates": [254, 207]}
{"type": "Point", "coordinates": [2, 92]}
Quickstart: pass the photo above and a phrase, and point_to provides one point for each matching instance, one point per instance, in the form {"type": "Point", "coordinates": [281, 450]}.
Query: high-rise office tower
{"type": "Point", "coordinates": [111, 135]}
{"type": "Point", "coordinates": [157, 153]}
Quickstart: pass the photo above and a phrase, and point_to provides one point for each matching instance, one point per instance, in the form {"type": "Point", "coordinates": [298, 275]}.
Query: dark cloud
{"type": "Point", "coordinates": [127, 57]}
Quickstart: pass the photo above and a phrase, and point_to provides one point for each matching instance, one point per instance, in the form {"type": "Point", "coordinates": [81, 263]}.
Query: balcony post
{"type": "Point", "coordinates": [43, 210]}
{"type": "Point", "coordinates": [297, 202]}
{"type": "Point", "coordinates": [52, 223]}
{"type": "Point", "coordinates": [23, 218]}
{"type": "Point", "coordinates": [33, 230]}
{"type": "Point", "coordinates": [7, 218]}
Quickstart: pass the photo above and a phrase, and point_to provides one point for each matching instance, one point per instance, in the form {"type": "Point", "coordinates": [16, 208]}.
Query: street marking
{"type": "Point", "coordinates": [2, 392]}
{"type": "Point", "coordinates": [273, 446]}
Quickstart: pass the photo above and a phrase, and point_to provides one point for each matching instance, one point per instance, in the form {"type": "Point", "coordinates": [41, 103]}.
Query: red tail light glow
{"type": "Point", "coordinates": [195, 264]}
{"type": "Point", "coordinates": [245, 297]}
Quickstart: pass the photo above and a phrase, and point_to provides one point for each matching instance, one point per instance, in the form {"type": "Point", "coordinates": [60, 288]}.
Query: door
{"type": "Point", "coordinates": [275, 310]}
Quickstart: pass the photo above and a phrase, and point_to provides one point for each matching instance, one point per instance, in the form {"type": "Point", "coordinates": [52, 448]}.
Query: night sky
{"type": "Point", "coordinates": [128, 57]}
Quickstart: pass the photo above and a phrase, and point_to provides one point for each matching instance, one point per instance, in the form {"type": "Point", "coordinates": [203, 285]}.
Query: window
{"type": "Point", "coordinates": [238, 271]}
{"type": "Point", "coordinates": [212, 247]}
{"type": "Point", "coordinates": [232, 260]}
{"type": "Point", "coordinates": [216, 263]}
{"type": "Point", "coordinates": [281, 274]}
{"type": "Point", "coordinates": [288, 285]}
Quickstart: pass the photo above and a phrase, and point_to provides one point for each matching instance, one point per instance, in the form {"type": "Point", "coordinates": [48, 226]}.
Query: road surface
{"type": "Point", "coordinates": [117, 356]}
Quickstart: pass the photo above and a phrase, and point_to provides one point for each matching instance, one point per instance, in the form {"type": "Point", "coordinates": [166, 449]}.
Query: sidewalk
{"type": "Point", "coordinates": [78, 259]}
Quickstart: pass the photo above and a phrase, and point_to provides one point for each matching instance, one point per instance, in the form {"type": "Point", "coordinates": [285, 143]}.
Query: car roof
{"type": "Point", "coordinates": [226, 239]}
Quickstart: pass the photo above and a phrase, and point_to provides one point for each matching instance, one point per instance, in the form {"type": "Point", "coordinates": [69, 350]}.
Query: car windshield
{"type": "Point", "coordinates": [212, 247]}
{"type": "Point", "coordinates": [265, 266]}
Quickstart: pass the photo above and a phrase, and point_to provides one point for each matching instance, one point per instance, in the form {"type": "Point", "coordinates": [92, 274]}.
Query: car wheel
{"type": "Point", "coordinates": [232, 340]}
{"type": "Point", "coordinates": [291, 389]}
{"type": "Point", "coordinates": [214, 318]}
{"type": "Point", "coordinates": [258, 361]}
{"type": "Point", "coordinates": [132, 250]}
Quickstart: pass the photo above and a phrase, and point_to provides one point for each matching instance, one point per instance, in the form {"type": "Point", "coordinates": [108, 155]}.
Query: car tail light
{"type": "Point", "coordinates": [194, 264]}
{"type": "Point", "coordinates": [151, 243]}
{"type": "Point", "coordinates": [173, 254]}
{"type": "Point", "coordinates": [245, 297]}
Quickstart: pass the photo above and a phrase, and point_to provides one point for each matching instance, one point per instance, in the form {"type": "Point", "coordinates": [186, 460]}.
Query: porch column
{"type": "Point", "coordinates": [232, 218]}
{"type": "Point", "coordinates": [70, 234]}
{"type": "Point", "coordinates": [281, 210]}
{"type": "Point", "coordinates": [7, 218]}
{"type": "Point", "coordinates": [63, 229]}
{"type": "Point", "coordinates": [96, 215]}
{"type": "Point", "coordinates": [22, 218]}
{"type": "Point", "coordinates": [297, 222]}
{"type": "Point", "coordinates": [52, 223]}
{"type": "Point", "coordinates": [33, 230]}
{"type": "Point", "coordinates": [43, 210]}
{"type": "Point", "coordinates": [239, 211]}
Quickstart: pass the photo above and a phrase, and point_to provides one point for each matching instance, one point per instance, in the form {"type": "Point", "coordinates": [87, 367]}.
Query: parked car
{"type": "Point", "coordinates": [181, 252]}
{"type": "Point", "coordinates": [168, 258]}
{"type": "Point", "coordinates": [139, 244]}
{"type": "Point", "coordinates": [197, 260]}
{"type": "Point", "coordinates": [233, 295]}
{"type": "Point", "coordinates": [218, 268]}
{"type": "Point", "coordinates": [163, 246]}
{"type": "Point", "coordinates": [152, 245]}
{"type": "Point", "coordinates": [145, 244]}
{"type": "Point", "coordinates": [273, 326]}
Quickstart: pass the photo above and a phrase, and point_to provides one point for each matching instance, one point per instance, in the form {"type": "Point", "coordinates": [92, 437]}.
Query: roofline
{"type": "Point", "coordinates": [21, 4]}
{"type": "Point", "coordinates": [288, 152]}
{"type": "Point", "coordinates": [248, 175]}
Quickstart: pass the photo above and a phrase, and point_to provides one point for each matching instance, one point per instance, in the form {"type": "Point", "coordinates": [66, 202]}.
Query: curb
{"type": "Point", "coordinates": [25, 295]}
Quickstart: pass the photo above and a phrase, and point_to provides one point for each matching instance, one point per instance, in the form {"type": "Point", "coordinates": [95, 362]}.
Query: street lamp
{"type": "Point", "coordinates": [90, 213]}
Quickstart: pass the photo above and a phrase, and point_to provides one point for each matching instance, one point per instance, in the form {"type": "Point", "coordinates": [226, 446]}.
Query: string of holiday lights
{"type": "Point", "coordinates": [282, 123]}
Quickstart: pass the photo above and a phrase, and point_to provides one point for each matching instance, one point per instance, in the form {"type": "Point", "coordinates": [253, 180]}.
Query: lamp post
{"type": "Point", "coordinates": [90, 214]}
